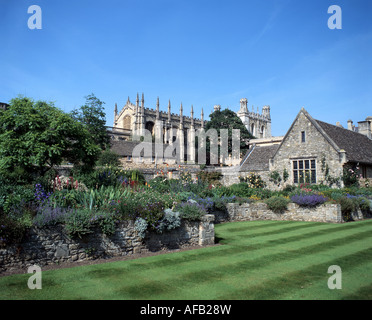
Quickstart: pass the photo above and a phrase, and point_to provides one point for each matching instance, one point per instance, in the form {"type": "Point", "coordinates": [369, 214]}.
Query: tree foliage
{"type": "Point", "coordinates": [36, 134]}
{"type": "Point", "coordinates": [227, 119]}
{"type": "Point", "coordinates": [93, 117]}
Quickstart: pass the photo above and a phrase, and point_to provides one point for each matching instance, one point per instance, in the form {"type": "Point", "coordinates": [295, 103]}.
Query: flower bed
{"type": "Point", "coordinates": [110, 196]}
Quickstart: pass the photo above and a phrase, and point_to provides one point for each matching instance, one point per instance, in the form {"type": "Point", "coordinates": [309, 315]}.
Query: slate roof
{"type": "Point", "coordinates": [125, 148]}
{"type": "Point", "coordinates": [257, 158]}
{"type": "Point", "coordinates": [358, 147]}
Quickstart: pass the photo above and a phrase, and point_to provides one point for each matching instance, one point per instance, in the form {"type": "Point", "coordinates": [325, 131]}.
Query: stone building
{"type": "Point", "coordinates": [312, 151]}
{"type": "Point", "coordinates": [135, 118]}
{"type": "Point", "coordinates": [259, 125]}
{"type": "Point", "coordinates": [134, 121]}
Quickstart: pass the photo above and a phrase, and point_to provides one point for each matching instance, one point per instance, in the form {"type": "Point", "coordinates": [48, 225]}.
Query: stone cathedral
{"type": "Point", "coordinates": [136, 117]}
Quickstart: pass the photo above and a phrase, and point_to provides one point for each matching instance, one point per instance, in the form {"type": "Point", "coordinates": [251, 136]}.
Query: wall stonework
{"type": "Point", "coordinates": [51, 245]}
{"type": "Point", "coordinates": [259, 211]}
{"type": "Point", "coordinates": [315, 147]}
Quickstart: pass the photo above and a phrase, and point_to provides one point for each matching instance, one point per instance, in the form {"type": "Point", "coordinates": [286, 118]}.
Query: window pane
{"type": "Point", "coordinates": [303, 137]}
{"type": "Point", "coordinates": [294, 164]}
{"type": "Point", "coordinates": [307, 176]}
{"type": "Point", "coordinates": [301, 176]}
{"type": "Point", "coordinates": [295, 176]}
{"type": "Point", "coordinates": [301, 164]}
{"type": "Point", "coordinates": [313, 176]}
{"type": "Point", "coordinates": [307, 164]}
{"type": "Point", "coordinates": [312, 164]}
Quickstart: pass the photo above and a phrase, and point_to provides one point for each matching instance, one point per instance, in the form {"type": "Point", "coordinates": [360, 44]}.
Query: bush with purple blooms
{"type": "Point", "coordinates": [308, 200]}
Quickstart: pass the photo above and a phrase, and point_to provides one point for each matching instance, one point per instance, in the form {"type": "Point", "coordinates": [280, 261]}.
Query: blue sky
{"type": "Point", "coordinates": [199, 52]}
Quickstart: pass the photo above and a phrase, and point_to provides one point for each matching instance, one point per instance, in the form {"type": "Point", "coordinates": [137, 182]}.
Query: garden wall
{"type": "Point", "coordinates": [52, 245]}
{"type": "Point", "coordinates": [259, 211]}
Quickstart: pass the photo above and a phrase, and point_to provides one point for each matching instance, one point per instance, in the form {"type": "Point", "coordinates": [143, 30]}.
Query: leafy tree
{"type": "Point", "coordinates": [35, 135]}
{"type": "Point", "coordinates": [227, 119]}
{"type": "Point", "coordinates": [109, 158]}
{"type": "Point", "coordinates": [92, 115]}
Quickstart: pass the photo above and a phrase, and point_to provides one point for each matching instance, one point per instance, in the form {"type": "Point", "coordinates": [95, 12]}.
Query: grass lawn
{"type": "Point", "coordinates": [257, 260]}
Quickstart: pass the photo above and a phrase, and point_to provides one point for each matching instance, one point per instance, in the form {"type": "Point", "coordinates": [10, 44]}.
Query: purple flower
{"type": "Point", "coordinates": [308, 200]}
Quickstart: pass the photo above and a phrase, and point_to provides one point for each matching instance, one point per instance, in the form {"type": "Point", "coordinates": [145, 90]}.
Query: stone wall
{"type": "Point", "coordinates": [52, 245]}
{"type": "Point", "coordinates": [259, 211]}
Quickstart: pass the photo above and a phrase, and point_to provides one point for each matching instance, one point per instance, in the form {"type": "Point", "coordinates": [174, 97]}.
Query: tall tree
{"type": "Point", "coordinates": [93, 117]}
{"type": "Point", "coordinates": [38, 135]}
{"type": "Point", "coordinates": [227, 119]}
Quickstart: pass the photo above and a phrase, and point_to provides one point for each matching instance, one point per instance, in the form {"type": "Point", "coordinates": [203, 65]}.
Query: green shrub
{"type": "Point", "coordinates": [277, 204]}
{"type": "Point", "coordinates": [241, 190]}
{"type": "Point", "coordinates": [348, 206]}
{"type": "Point", "coordinates": [13, 195]}
{"type": "Point", "coordinates": [364, 204]}
{"type": "Point", "coordinates": [78, 222]}
{"type": "Point", "coordinates": [13, 227]}
{"type": "Point", "coordinates": [11, 231]}
{"type": "Point", "coordinates": [210, 177]}
{"type": "Point", "coordinates": [146, 204]}
{"type": "Point", "coordinates": [106, 221]}
{"type": "Point", "coordinates": [108, 158]}
{"type": "Point", "coordinates": [184, 196]}
{"type": "Point", "coordinates": [191, 210]}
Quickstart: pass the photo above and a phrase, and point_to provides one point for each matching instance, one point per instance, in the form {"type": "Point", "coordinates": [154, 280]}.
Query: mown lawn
{"type": "Point", "coordinates": [256, 260]}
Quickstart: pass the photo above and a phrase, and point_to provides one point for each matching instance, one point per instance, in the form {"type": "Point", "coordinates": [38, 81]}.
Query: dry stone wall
{"type": "Point", "coordinates": [259, 211]}
{"type": "Point", "coordinates": [52, 245]}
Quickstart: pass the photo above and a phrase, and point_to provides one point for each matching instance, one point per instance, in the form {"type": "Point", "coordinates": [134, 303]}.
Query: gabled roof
{"type": "Point", "coordinates": [257, 158]}
{"type": "Point", "coordinates": [358, 147]}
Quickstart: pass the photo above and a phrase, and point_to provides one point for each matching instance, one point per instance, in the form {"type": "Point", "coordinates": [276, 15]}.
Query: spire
{"type": "Point", "coordinates": [169, 111]}
{"type": "Point", "coordinates": [157, 109]}
{"type": "Point", "coordinates": [192, 115]}
{"type": "Point", "coordinates": [128, 101]}
{"type": "Point", "coordinates": [143, 105]}
{"type": "Point", "coordinates": [202, 118]}
{"type": "Point", "coordinates": [181, 115]}
{"type": "Point", "coordinates": [137, 101]}
{"type": "Point", "coordinates": [116, 109]}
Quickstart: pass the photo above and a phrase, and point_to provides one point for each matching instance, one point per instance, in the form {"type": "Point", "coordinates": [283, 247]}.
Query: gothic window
{"type": "Point", "coordinates": [263, 131]}
{"type": "Point", "coordinates": [252, 129]}
{"type": "Point", "coordinates": [127, 123]}
{"type": "Point", "coordinates": [304, 171]}
{"type": "Point", "coordinates": [150, 126]}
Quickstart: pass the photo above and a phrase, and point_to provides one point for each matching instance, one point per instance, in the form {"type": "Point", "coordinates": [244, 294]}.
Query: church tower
{"type": "Point", "coordinates": [259, 125]}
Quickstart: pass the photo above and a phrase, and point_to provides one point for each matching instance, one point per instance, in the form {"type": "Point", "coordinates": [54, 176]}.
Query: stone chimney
{"type": "Point", "coordinates": [350, 125]}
